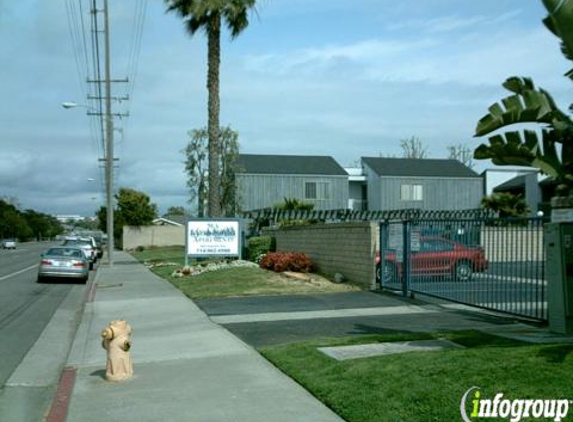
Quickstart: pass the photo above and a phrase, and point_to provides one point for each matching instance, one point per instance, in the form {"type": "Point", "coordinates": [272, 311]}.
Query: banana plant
{"type": "Point", "coordinates": [551, 150]}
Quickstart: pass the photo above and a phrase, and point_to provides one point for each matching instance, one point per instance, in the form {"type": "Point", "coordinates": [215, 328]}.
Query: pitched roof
{"type": "Point", "coordinates": [172, 220]}
{"type": "Point", "coordinates": [412, 167]}
{"type": "Point", "coordinates": [289, 164]}
{"type": "Point", "coordinates": [517, 182]}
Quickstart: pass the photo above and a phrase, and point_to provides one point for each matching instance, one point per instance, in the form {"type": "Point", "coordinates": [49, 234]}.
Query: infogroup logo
{"type": "Point", "coordinates": [514, 410]}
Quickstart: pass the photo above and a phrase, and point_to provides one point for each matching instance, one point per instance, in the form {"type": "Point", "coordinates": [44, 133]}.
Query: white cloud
{"type": "Point", "coordinates": [450, 23]}
{"type": "Point", "coordinates": [471, 59]}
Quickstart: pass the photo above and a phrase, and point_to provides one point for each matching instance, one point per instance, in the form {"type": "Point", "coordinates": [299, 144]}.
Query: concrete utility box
{"type": "Point", "coordinates": [559, 267]}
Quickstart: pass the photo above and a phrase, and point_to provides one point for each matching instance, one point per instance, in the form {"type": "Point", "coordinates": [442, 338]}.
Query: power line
{"type": "Point", "coordinates": [87, 55]}
{"type": "Point", "coordinates": [80, 52]}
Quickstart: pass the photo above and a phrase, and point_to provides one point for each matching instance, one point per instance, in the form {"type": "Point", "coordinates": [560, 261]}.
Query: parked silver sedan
{"type": "Point", "coordinates": [64, 262]}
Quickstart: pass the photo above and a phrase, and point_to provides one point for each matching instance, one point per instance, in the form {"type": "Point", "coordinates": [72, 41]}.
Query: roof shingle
{"type": "Point", "coordinates": [411, 167]}
{"type": "Point", "coordinates": [289, 164]}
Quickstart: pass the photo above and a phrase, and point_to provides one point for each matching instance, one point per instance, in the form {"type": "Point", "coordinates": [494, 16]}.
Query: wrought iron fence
{"type": "Point", "coordinates": [271, 216]}
{"type": "Point", "coordinates": [491, 263]}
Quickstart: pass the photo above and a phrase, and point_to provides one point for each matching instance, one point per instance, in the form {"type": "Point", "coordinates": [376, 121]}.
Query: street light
{"type": "Point", "coordinates": [71, 104]}
{"type": "Point", "coordinates": [108, 171]}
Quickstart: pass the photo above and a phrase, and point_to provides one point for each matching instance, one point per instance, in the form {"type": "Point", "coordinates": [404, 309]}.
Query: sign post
{"type": "Point", "coordinates": [212, 237]}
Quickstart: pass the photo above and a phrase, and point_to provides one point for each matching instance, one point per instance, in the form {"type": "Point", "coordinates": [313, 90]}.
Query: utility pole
{"type": "Point", "coordinates": [108, 138]}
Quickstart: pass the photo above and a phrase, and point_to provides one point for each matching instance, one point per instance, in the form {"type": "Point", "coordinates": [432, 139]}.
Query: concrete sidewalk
{"type": "Point", "coordinates": [187, 368]}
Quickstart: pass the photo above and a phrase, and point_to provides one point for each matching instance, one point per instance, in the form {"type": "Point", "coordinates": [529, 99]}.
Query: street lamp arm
{"type": "Point", "coordinates": [72, 104]}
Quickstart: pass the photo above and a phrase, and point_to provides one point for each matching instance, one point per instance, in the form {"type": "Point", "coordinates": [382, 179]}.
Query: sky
{"type": "Point", "coordinates": [307, 77]}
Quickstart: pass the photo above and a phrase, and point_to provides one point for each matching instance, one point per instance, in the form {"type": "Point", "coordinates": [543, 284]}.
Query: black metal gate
{"type": "Point", "coordinates": [496, 264]}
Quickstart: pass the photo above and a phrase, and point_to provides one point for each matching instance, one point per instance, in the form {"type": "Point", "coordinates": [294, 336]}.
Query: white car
{"type": "Point", "coordinates": [9, 244]}
{"type": "Point", "coordinates": [86, 246]}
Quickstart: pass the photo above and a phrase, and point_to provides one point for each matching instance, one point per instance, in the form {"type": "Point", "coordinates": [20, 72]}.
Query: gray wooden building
{"type": "Point", "coordinates": [429, 184]}
{"type": "Point", "coordinates": [264, 181]}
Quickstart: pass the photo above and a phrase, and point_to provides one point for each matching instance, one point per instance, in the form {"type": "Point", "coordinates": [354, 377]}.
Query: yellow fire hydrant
{"type": "Point", "coordinates": [116, 341]}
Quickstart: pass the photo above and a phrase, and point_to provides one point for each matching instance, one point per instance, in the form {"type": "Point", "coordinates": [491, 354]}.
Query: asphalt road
{"type": "Point", "coordinates": [25, 306]}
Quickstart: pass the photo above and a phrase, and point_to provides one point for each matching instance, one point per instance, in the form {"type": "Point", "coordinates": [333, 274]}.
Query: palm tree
{"type": "Point", "coordinates": [553, 153]}
{"type": "Point", "coordinates": [207, 15]}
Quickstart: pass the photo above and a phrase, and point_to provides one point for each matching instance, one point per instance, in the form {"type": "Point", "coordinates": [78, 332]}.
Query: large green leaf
{"type": "Point", "coordinates": [559, 21]}
{"type": "Point", "coordinates": [523, 149]}
{"type": "Point", "coordinates": [526, 105]}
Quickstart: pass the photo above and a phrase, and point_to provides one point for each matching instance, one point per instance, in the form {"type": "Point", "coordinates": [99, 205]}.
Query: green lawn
{"type": "Point", "coordinates": [230, 282]}
{"type": "Point", "coordinates": [426, 386]}
{"type": "Point", "coordinates": [168, 253]}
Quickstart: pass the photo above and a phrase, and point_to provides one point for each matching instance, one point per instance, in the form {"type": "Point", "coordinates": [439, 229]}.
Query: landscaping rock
{"type": "Point", "coordinates": [212, 266]}
{"type": "Point", "coordinates": [338, 278]}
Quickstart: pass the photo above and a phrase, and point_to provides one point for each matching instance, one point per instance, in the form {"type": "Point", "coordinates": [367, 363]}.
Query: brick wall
{"type": "Point", "coordinates": [346, 248]}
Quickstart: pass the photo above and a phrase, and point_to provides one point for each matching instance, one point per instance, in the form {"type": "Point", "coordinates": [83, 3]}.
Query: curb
{"type": "Point", "coordinates": [59, 409]}
{"type": "Point", "coordinates": [60, 403]}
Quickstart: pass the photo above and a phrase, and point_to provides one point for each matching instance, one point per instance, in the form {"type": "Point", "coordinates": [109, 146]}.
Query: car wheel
{"type": "Point", "coordinates": [40, 279]}
{"type": "Point", "coordinates": [463, 271]}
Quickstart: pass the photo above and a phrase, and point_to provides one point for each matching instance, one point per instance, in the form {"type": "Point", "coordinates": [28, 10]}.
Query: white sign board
{"type": "Point", "coordinates": [415, 238]}
{"type": "Point", "coordinates": [561, 215]}
{"type": "Point", "coordinates": [213, 238]}
{"type": "Point", "coordinates": [395, 240]}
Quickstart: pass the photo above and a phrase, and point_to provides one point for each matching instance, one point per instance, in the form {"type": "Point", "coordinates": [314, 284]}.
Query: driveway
{"type": "Point", "coordinates": [270, 320]}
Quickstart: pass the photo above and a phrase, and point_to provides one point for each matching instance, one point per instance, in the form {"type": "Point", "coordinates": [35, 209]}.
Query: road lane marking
{"type": "Point", "coordinates": [18, 272]}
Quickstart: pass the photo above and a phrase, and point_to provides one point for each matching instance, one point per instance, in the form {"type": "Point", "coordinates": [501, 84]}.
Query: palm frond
{"type": "Point", "coordinates": [523, 149]}
{"type": "Point", "coordinates": [527, 105]}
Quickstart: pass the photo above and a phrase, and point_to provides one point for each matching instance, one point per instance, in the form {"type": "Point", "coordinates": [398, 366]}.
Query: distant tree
{"type": "Point", "coordinates": [208, 15]}
{"type": "Point", "coordinates": [12, 223]}
{"type": "Point", "coordinates": [16, 226]}
{"type": "Point", "coordinates": [462, 153]}
{"type": "Point", "coordinates": [552, 152]}
{"type": "Point", "coordinates": [101, 216]}
{"type": "Point", "coordinates": [178, 210]}
{"type": "Point", "coordinates": [11, 200]}
{"type": "Point", "coordinates": [506, 204]}
{"type": "Point", "coordinates": [413, 148]}
{"type": "Point", "coordinates": [229, 166]}
{"type": "Point", "coordinates": [42, 226]}
{"type": "Point", "coordinates": [118, 223]}
{"type": "Point", "coordinates": [196, 165]}
{"type": "Point", "coordinates": [135, 207]}
{"type": "Point", "coordinates": [86, 224]}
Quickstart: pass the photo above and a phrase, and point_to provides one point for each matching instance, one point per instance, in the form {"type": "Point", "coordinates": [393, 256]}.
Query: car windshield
{"type": "Point", "coordinates": [65, 252]}
{"type": "Point", "coordinates": [78, 243]}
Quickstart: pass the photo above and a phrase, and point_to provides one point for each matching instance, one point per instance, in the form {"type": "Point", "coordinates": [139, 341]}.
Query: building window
{"type": "Point", "coordinates": [310, 190]}
{"type": "Point", "coordinates": [317, 190]}
{"type": "Point", "coordinates": [411, 193]}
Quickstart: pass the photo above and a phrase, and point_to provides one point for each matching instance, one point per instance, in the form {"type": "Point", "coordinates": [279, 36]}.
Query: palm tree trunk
{"type": "Point", "coordinates": [201, 199]}
{"type": "Point", "coordinates": [214, 61]}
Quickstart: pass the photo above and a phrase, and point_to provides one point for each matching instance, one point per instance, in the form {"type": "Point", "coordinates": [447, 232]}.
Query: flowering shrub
{"type": "Point", "coordinates": [287, 261]}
